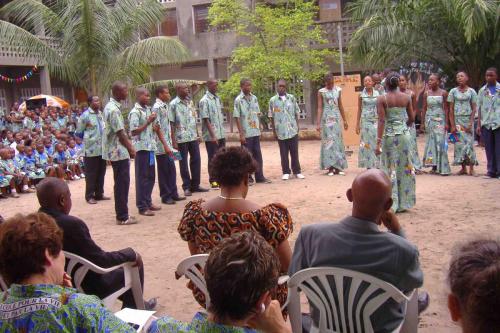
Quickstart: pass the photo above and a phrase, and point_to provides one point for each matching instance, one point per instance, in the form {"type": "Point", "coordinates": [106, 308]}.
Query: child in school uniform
{"type": "Point", "coordinates": [49, 148]}
{"type": "Point", "coordinates": [74, 162]}
{"type": "Point", "coordinates": [34, 173]}
{"type": "Point", "coordinates": [61, 158]}
{"type": "Point", "coordinates": [44, 161]}
{"type": "Point", "coordinates": [15, 178]}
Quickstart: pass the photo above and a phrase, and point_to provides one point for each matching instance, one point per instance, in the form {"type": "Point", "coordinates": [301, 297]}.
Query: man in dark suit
{"type": "Point", "coordinates": [356, 243]}
{"type": "Point", "coordinates": [55, 199]}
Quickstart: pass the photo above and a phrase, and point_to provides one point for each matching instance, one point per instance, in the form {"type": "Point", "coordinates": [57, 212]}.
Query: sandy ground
{"type": "Point", "coordinates": [448, 210]}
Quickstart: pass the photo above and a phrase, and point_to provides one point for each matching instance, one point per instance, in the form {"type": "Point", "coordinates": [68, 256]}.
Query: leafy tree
{"type": "Point", "coordinates": [280, 41]}
{"type": "Point", "coordinates": [454, 34]}
{"type": "Point", "coordinates": [94, 42]}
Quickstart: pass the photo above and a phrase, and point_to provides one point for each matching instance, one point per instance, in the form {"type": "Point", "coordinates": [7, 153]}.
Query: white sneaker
{"type": "Point", "coordinates": [300, 176]}
{"type": "Point", "coordinates": [286, 176]}
{"type": "Point", "coordinates": [82, 175]}
{"type": "Point", "coordinates": [341, 173]}
{"type": "Point", "coordinates": [331, 174]}
{"type": "Point", "coordinates": [75, 177]}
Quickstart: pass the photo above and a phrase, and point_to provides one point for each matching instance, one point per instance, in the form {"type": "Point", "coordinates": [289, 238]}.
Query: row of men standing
{"type": "Point", "coordinates": [168, 132]}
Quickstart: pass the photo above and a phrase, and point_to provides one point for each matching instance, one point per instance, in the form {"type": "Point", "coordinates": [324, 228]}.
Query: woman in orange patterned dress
{"type": "Point", "coordinates": [205, 223]}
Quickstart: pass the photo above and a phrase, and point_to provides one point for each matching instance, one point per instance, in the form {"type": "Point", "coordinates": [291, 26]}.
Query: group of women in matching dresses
{"type": "Point", "coordinates": [386, 125]}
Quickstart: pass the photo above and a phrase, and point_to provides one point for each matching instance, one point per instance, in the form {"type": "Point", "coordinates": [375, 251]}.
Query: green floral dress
{"type": "Point", "coordinates": [397, 158]}
{"type": "Point", "coordinates": [332, 144]}
{"type": "Point", "coordinates": [436, 146]}
{"type": "Point", "coordinates": [368, 142]}
{"type": "Point", "coordinates": [462, 109]}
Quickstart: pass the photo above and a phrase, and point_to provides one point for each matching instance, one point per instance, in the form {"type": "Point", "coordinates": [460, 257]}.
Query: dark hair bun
{"type": "Point", "coordinates": [392, 80]}
{"type": "Point", "coordinates": [231, 165]}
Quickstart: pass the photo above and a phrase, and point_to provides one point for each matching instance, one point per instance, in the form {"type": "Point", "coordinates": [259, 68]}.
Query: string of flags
{"type": "Point", "coordinates": [20, 78]}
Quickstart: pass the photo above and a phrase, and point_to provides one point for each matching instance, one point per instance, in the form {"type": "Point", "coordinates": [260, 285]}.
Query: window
{"type": "Point", "coordinates": [200, 14]}
{"type": "Point", "coordinates": [30, 92]}
{"type": "Point", "coordinates": [169, 25]}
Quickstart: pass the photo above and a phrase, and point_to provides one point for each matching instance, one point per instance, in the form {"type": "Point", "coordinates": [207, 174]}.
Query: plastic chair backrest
{"type": "Point", "coordinates": [78, 267]}
{"type": "Point", "coordinates": [344, 299]}
{"type": "Point", "coordinates": [192, 268]}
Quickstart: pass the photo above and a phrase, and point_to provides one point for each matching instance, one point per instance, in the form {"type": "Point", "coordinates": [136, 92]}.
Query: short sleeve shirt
{"type": "Point", "coordinates": [146, 140]}
{"type": "Point", "coordinates": [162, 109]}
{"type": "Point", "coordinates": [199, 324]}
{"type": "Point", "coordinates": [489, 106]}
{"type": "Point", "coordinates": [211, 109]}
{"type": "Point", "coordinates": [51, 308]}
{"type": "Point", "coordinates": [183, 115]}
{"type": "Point", "coordinates": [63, 121]}
{"type": "Point", "coordinates": [284, 110]}
{"type": "Point", "coordinates": [112, 149]}
{"type": "Point", "coordinates": [247, 109]}
{"type": "Point", "coordinates": [462, 101]}
{"type": "Point", "coordinates": [91, 125]}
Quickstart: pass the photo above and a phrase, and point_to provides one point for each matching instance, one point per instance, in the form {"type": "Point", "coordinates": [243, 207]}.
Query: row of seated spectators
{"type": "Point", "coordinates": [242, 269]}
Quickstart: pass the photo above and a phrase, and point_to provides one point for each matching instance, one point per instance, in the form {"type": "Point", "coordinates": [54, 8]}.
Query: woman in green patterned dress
{"type": "Point", "coordinates": [367, 125]}
{"type": "Point", "coordinates": [403, 87]}
{"type": "Point", "coordinates": [330, 114]}
{"type": "Point", "coordinates": [463, 101]}
{"type": "Point", "coordinates": [435, 122]}
{"type": "Point", "coordinates": [395, 117]}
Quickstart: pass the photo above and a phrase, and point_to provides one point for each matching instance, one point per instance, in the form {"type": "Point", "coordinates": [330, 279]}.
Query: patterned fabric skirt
{"type": "Point", "coordinates": [4, 181]}
{"type": "Point", "coordinates": [332, 145]}
{"type": "Point", "coordinates": [464, 149]}
{"type": "Point", "coordinates": [36, 174]}
{"type": "Point", "coordinates": [398, 165]}
{"type": "Point", "coordinates": [367, 157]}
{"type": "Point", "coordinates": [414, 148]}
{"type": "Point", "coordinates": [436, 146]}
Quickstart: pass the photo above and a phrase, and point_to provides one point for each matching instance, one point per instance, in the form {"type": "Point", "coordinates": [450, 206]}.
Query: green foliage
{"type": "Point", "coordinates": [454, 34]}
{"type": "Point", "coordinates": [94, 42]}
{"type": "Point", "coordinates": [280, 41]}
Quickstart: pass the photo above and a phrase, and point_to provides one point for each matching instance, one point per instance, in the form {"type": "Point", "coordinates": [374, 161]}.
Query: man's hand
{"type": "Point", "coordinates": [358, 129]}
{"type": "Point", "coordinates": [67, 281]}
{"type": "Point", "coordinates": [175, 145]}
{"type": "Point", "coordinates": [478, 129]}
{"type": "Point", "coordinates": [390, 221]}
{"type": "Point", "coordinates": [346, 126]}
{"type": "Point", "coordinates": [213, 139]}
{"type": "Point", "coordinates": [243, 140]}
{"type": "Point", "coordinates": [271, 320]}
{"type": "Point", "coordinates": [151, 118]}
{"type": "Point", "coordinates": [131, 152]}
{"type": "Point", "coordinates": [318, 128]}
{"type": "Point", "coordinates": [378, 150]}
{"type": "Point", "coordinates": [138, 261]}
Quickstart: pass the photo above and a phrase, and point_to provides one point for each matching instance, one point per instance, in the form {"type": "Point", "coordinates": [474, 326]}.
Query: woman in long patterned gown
{"type": "Point", "coordinates": [435, 123]}
{"type": "Point", "coordinates": [330, 115]}
{"type": "Point", "coordinates": [463, 101]}
{"type": "Point", "coordinates": [403, 87]}
{"type": "Point", "coordinates": [395, 117]}
{"type": "Point", "coordinates": [367, 125]}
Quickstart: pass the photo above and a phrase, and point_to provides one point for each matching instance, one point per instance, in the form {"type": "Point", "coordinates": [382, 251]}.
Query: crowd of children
{"type": "Point", "coordinates": [38, 143]}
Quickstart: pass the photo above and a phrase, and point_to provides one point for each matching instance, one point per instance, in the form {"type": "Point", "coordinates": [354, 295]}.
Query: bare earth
{"type": "Point", "coordinates": [448, 210]}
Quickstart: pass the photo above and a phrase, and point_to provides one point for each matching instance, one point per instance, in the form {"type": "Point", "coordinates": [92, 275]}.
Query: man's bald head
{"type": "Point", "coordinates": [53, 193]}
{"type": "Point", "coordinates": [119, 90]}
{"type": "Point", "coordinates": [370, 194]}
{"type": "Point", "coordinates": [182, 90]}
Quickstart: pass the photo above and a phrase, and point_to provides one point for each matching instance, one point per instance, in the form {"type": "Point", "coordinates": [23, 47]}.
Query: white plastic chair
{"type": "Point", "coordinates": [337, 314]}
{"type": "Point", "coordinates": [78, 267]}
{"type": "Point", "coordinates": [192, 268]}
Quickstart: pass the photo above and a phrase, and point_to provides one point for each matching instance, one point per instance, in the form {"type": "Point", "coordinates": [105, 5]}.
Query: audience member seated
{"type": "Point", "coordinates": [205, 224]}
{"type": "Point", "coordinates": [474, 279]}
{"type": "Point", "coordinates": [40, 297]}
{"type": "Point", "coordinates": [55, 199]}
{"type": "Point", "coordinates": [356, 243]}
{"type": "Point", "coordinates": [241, 274]}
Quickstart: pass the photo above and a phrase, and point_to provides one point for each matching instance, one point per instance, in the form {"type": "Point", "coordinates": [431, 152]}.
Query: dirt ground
{"type": "Point", "coordinates": [448, 210]}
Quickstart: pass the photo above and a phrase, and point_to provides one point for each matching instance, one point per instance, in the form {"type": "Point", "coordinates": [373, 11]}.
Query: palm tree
{"type": "Point", "coordinates": [454, 34]}
{"type": "Point", "coordinates": [91, 43]}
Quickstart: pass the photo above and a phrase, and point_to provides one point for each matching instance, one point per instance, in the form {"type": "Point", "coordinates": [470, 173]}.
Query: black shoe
{"type": "Point", "coordinates": [179, 198]}
{"type": "Point", "coordinates": [102, 198]}
{"type": "Point", "coordinates": [169, 201]}
{"type": "Point", "coordinates": [264, 181]}
{"type": "Point", "coordinates": [200, 189]}
{"type": "Point", "coordinates": [150, 304]}
{"type": "Point", "coordinates": [423, 301]}
{"type": "Point", "coordinates": [187, 193]}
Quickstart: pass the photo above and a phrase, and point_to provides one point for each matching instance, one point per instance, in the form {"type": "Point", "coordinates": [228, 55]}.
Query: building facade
{"type": "Point", "coordinates": [211, 50]}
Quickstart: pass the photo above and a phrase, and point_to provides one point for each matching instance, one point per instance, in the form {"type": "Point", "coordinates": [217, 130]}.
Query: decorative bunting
{"type": "Point", "coordinates": [20, 78]}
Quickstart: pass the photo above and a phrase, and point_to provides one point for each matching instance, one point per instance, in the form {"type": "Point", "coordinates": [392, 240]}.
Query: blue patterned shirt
{"type": "Point", "coordinates": [146, 140]}
{"type": "Point", "coordinates": [52, 308]}
{"type": "Point", "coordinates": [211, 109]}
{"type": "Point", "coordinates": [199, 324]}
{"type": "Point", "coordinates": [112, 149]}
{"type": "Point", "coordinates": [183, 115]}
{"type": "Point", "coordinates": [284, 110]}
{"type": "Point", "coordinates": [247, 109]}
{"type": "Point", "coordinates": [489, 107]}
{"type": "Point", "coordinates": [91, 127]}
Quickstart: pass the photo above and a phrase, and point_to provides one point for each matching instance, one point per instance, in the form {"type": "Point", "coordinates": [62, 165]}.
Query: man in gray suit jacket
{"type": "Point", "coordinates": [356, 243]}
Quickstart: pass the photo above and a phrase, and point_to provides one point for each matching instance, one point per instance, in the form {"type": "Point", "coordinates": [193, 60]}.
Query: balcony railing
{"type": "Point", "coordinates": [347, 28]}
